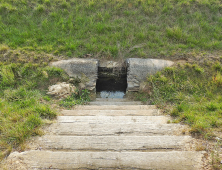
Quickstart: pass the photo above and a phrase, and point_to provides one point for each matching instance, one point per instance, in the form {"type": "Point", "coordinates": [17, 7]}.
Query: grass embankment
{"type": "Point", "coordinates": [24, 104]}
{"type": "Point", "coordinates": [39, 31]}
{"type": "Point", "coordinates": [193, 91]}
{"type": "Point", "coordinates": [112, 28]}
{"type": "Point", "coordinates": [191, 94]}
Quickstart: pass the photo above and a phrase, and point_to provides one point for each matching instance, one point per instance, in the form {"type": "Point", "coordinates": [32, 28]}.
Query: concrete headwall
{"type": "Point", "coordinates": [138, 69]}
{"type": "Point", "coordinates": [86, 69]}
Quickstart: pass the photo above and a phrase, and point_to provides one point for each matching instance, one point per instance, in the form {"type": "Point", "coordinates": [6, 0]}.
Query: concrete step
{"type": "Point", "coordinates": [116, 129]}
{"type": "Point", "coordinates": [149, 112]}
{"type": "Point", "coordinates": [112, 100]}
{"type": "Point", "coordinates": [113, 119]}
{"type": "Point", "coordinates": [112, 143]}
{"type": "Point", "coordinates": [114, 103]}
{"type": "Point", "coordinates": [115, 107]}
{"type": "Point", "coordinates": [174, 160]}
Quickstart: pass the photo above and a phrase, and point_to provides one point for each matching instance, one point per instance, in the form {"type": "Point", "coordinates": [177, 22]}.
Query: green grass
{"type": "Point", "coordinates": [35, 32]}
{"type": "Point", "coordinates": [112, 28]}
{"type": "Point", "coordinates": [23, 102]}
{"type": "Point", "coordinates": [191, 93]}
{"type": "Point", "coordinates": [80, 98]}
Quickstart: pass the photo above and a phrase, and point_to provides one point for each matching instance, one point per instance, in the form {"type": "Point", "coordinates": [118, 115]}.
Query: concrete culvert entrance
{"type": "Point", "coordinates": [111, 82]}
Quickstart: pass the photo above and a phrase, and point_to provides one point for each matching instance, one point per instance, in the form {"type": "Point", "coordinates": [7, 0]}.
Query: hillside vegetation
{"type": "Point", "coordinates": [23, 103]}
{"type": "Point", "coordinates": [35, 32]}
{"type": "Point", "coordinates": [194, 94]}
{"type": "Point", "coordinates": [113, 28]}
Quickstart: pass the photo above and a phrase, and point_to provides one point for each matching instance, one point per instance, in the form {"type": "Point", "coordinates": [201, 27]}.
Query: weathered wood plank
{"type": "Point", "coordinates": [113, 119]}
{"type": "Point", "coordinates": [149, 112]}
{"type": "Point", "coordinates": [112, 143]}
{"type": "Point", "coordinates": [115, 107]}
{"type": "Point", "coordinates": [175, 160]}
{"type": "Point", "coordinates": [133, 129]}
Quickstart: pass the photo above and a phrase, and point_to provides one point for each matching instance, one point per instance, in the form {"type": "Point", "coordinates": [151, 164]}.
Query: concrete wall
{"type": "Point", "coordinates": [84, 69]}
{"type": "Point", "coordinates": [137, 70]}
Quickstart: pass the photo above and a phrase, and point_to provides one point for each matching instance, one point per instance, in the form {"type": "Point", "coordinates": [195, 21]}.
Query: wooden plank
{"type": "Point", "coordinates": [175, 160]}
{"type": "Point", "coordinates": [80, 129]}
{"type": "Point", "coordinates": [149, 112]}
{"type": "Point", "coordinates": [113, 119]}
{"type": "Point", "coordinates": [112, 143]}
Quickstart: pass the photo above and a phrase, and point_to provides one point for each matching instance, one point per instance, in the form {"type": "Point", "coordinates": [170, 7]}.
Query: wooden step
{"type": "Point", "coordinates": [113, 119]}
{"type": "Point", "coordinates": [114, 103]}
{"type": "Point", "coordinates": [149, 112]}
{"type": "Point", "coordinates": [112, 100]}
{"type": "Point", "coordinates": [116, 129]}
{"type": "Point", "coordinates": [113, 143]}
{"type": "Point", "coordinates": [111, 136]}
{"type": "Point", "coordinates": [115, 107]}
{"type": "Point", "coordinates": [174, 160]}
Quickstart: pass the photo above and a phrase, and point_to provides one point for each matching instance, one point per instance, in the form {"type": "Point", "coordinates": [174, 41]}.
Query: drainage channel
{"type": "Point", "coordinates": [111, 82]}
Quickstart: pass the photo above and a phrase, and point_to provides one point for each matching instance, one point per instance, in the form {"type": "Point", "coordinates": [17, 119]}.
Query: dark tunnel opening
{"type": "Point", "coordinates": [111, 82]}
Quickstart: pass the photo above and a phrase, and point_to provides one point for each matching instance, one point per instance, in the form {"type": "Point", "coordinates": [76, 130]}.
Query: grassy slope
{"type": "Point", "coordinates": [192, 94]}
{"type": "Point", "coordinates": [33, 30]}
{"type": "Point", "coordinates": [23, 102]}
{"type": "Point", "coordinates": [194, 91]}
{"type": "Point", "coordinates": [112, 28]}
